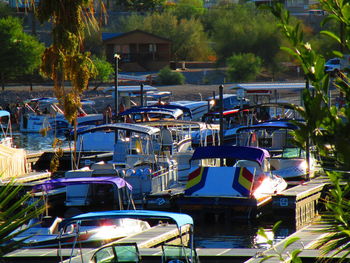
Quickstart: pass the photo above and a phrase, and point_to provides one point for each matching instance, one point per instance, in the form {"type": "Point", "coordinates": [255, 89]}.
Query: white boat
{"type": "Point", "coordinates": [139, 155]}
{"type": "Point", "coordinates": [6, 129]}
{"type": "Point", "coordinates": [287, 159]}
{"type": "Point", "coordinates": [44, 113]}
{"type": "Point", "coordinates": [50, 232]}
{"type": "Point", "coordinates": [233, 180]}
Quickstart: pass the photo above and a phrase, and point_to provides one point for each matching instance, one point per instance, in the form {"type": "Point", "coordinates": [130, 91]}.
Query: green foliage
{"type": "Point", "coordinates": [189, 41]}
{"type": "Point", "coordinates": [243, 29]}
{"type": "Point", "coordinates": [243, 67]}
{"type": "Point", "coordinates": [104, 70]}
{"type": "Point", "coordinates": [282, 255]}
{"type": "Point", "coordinates": [187, 9]}
{"type": "Point", "coordinates": [326, 126]}
{"type": "Point", "coordinates": [13, 214]}
{"type": "Point", "coordinates": [168, 77]}
{"type": "Point", "coordinates": [140, 5]}
{"type": "Point", "coordinates": [20, 53]}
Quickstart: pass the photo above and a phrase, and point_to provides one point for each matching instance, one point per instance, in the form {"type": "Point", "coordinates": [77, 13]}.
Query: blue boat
{"type": "Point", "coordinates": [234, 180]}
{"type": "Point", "coordinates": [128, 252]}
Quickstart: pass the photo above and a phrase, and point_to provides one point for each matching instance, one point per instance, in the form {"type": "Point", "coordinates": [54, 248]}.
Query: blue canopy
{"type": "Point", "coordinates": [270, 124]}
{"type": "Point", "coordinates": [4, 113]}
{"type": "Point", "coordinates": [179, 218]}
{"type": "Point", "coordinates": [153, 109]}
{"type": "Point", "coordinates": [174, 107]}
{"type": "Point", "coordinates": [233, 152]}
{"type": "Point", "coordinates": [61, 182]}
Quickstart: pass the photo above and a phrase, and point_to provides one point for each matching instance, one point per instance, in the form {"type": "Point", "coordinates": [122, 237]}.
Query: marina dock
{"type": "Point", "coordinates": [307, 243]}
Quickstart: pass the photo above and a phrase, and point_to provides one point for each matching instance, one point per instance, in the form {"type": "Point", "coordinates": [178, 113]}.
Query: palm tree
{"type": "Point", "coordinates": [14, 212]}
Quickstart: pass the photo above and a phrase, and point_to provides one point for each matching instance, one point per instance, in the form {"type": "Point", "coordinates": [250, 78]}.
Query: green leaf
{"type": "Point", "coordinates": [290, 241]}
{"type": "Point", "coordinates": [331, 34]}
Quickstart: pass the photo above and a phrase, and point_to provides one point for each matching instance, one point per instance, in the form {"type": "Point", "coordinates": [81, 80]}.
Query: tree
{"type": "Point", "coordinates": [140, 5]}
{"type": "Point", "coordinates": [66, 60]}
{"type": "Point", "coordinates": [5, 10]}
{"type": "Point", "coordinates": [189, 41]}
{"type": "Point", "coordinates": [13, 214]}
{"type": "Point", "coordinates": [20, 53]}
{"type": "Point", "coordinates": [325, 125]}
{"type": "Point", "coordinates": [104, 70]}
{"type": "Point", "coordinates": [243, 67]}
{"type": "Point", "coordinates": [187, 9]}
{"type": "Point", "coordinates": [238, 29]}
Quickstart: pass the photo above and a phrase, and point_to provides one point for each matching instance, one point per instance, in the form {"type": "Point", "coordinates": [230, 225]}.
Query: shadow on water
{"type": "Point", "coordinates": [238, 234]}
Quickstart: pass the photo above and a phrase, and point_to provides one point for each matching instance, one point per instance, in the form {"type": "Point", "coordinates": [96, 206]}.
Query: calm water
{"type": "Point", "coordinates": [237, 234]}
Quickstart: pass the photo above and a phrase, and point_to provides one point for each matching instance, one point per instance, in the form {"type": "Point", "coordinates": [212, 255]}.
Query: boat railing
{"type": "Point", "coordinates": [164, 178]}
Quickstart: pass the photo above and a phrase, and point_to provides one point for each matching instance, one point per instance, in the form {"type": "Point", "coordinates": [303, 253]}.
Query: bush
{"type": "Point", "coordinates": [168, 77]}
{"type": "Point", "coordinates": [243, 67]}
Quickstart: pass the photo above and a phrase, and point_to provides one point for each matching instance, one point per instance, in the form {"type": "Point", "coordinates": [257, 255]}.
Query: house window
{"type": "Point", "coordinates": [152, 48]}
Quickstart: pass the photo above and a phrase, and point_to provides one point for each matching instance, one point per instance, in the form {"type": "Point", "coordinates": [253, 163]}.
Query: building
{"type": "Point", "coordinates": [138, 50]}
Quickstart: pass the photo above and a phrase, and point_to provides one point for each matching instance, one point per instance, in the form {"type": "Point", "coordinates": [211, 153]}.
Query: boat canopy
{"type": "Point", "coordinates": [61, 182]}
{"type": "Point", "coordinates": [131, 89]}
{"type": "Point", "coordinates": [233, 152]}
{"type": "Point", "coordinates": [271, 86]}
{"type": "Point", "coordinates": [174, 107]}
{"type": "Point", "coordinates": [179, 218]}
{"type": "Point", "coordinates": [4, 113]}
{"type": "Point", "coordinates": [49, 100]}
{"type": "Point", "coordinates": [175, 113]}
{"type": "Point", "coordinates": [120, 126]}
{"type": "Point", "coordinates": [270, 125]}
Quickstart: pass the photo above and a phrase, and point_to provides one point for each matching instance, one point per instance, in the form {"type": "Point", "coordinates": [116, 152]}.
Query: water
{"type": "Point", "coordinates": [236, 234]}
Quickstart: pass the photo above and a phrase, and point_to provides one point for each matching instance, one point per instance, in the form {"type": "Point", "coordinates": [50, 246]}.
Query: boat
{"type": "Point", "coordinates": [45, 114]}
{"type": "Point", "coordinates": [82, 190]}
{"type": "Point", "coordinates": [86, 230]}
{"type": "Point", "coordinates": [6, 129]}
{"type": "Point", "coordinates": [231, 180]}
{"type": "Point", "coordinates": [286, 159]}
{"type": "Point", "coordinates": [180, 250]}
{"type": "Point", "coordinates": [138, 154]}
{"type": "Point", "coordinates": [180, 140]}
{"type": "Point", "coordinates": [139, 114]}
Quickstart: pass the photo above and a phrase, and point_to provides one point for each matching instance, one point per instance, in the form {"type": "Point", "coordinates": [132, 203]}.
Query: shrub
{"type": "Point", "coordinates": [168, 77]}
{"type": "Point", "coordinates": [243, 67]}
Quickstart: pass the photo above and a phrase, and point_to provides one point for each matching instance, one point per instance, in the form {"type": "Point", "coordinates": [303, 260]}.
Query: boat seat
{"type": "Point", "coordinates": [103, 169]}
{"type": "Point", "coordinates": [247, 163]}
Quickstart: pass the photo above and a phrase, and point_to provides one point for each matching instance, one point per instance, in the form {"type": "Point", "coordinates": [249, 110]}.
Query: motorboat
{"type": "Point", "coordinates": [182, 250]}
{"type": "Point", "coordinates": [87, 230]}
{"type": "Point", "coordinates": [82, 190]}
{"type": "Point", "coordinates": [287, 159]}
{"type": "Point", "coordinates": [234, 180]}
{"type": "Point", "coordinates": [45, 114]}
{"type": "Point", "coordinates": [6, 129]}
{"type": "Point", "coordinates": [139, 155]}
{"type": "Point", "coordinates": [139, 114]}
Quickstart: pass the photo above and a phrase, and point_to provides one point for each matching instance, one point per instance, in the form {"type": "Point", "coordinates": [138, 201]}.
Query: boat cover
{"type": "Point", "coordinates": [270, 124]}
{"type": "Point", "coordinates": [4, 113]}
{"type": "Point", "coordinates": [138, 128]}
{"type": "Point", "coordinates": [175, 113]}
{"type": "Point", "coordinates": [221, 182]}
{"type": "Point", "coordinates": [12, 162]}
{"type": "Point", "coordinates": [232, 152]}
{"type": "Point", "coordinates": [179, 218]}
{"type": "Point", "coordinates": [61, 182]}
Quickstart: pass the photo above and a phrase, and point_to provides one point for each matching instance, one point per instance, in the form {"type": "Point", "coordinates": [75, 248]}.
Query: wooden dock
{"type": "Point", "coordinates": [153, 237]}
{"type": "Point", "coordinates": [300, 203]}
